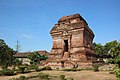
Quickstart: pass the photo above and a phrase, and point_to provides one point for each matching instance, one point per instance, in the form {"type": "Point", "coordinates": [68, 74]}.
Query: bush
{"type": "Point", "coordinates": [69, 79]}
{"type": "Point", "coordinates": [96, 67]}
{"type": "Point", "coordinates": [47, 68]}
{"type": "Point", "coordinates": [36, 68]}
{"type": "Point", "coordinates": [5, 66]}
{"type": "Point", "coordinates": [6, 72]}
{"type": "Point", "coordinates": [21, 68]}
{"type": "Point", "coordinates": [12, 79]}
{"type": "Point", "coordinates": [30, 67]}
{"type": "Point", "coordinates": [62, 77]}
{"type": "Point", "coordinates": [66, 69]}
{"type": "Point", "coordinates": [72, 69]}
{"type": "Point", "coordinates": [31, 62]}
{"type": "Point", "coordinates": [0, 73]}
{"type": "Point", "coordinates": [43, 76]}
{"type": "Point", "coordinates": [117, 73]}
{"type": "Point", "coordinates": [22, 78]}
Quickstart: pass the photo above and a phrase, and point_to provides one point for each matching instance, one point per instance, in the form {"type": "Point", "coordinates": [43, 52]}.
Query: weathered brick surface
{"type": "Point", "coordinates": [72, 42]}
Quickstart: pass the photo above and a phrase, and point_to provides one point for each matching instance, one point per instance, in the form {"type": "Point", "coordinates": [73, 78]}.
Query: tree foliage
{"type": "Point", "coordinates": [36, 57]}
{"type": "Point", "coordinates": [110, 48]}
{"type": "Point", "coordinates": [98, 48]}
{"type": "Point", "coordinates": [115, 53]}
{"type": "Point", "coordinates": [6, 54]}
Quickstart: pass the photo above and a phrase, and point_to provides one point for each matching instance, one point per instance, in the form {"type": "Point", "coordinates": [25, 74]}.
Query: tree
{"type": "Point", "coordinates": [109, 46]}
{"type": "Point", "coordinates": [6, 54]}
{"type": "Point", "coordinates": [115, 53]}
{"type": "Point", "coordinates": [36, 58]}
{"type": "Point", "coordinates": [106, 49]}
{"type": "Point", "coordinates": [98, 48]}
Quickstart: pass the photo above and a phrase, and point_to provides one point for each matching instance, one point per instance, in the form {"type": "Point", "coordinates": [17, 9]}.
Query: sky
{"type": "Point", "coordinates": [30, 21]}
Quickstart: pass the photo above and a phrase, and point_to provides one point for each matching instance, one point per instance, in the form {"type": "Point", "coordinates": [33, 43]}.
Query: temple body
{"type": "Point", "coordinates": [72, 43]}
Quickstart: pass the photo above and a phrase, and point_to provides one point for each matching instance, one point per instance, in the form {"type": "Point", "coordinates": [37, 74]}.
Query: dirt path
{"type": "Point", "coordinates": [79, 75]}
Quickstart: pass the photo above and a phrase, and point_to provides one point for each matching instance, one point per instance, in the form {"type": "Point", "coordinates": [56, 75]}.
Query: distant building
{"type": "Point", "coordinates": [23, 56]}
{"type": "Point", "coordinates": [72, 43]}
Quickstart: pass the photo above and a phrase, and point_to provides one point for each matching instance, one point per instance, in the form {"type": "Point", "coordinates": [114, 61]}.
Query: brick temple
{"type": "Point", "coordinates": [72, 43]}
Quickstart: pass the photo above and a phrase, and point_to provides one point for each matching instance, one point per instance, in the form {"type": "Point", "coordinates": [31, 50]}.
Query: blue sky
{"type": "Point", "coordinates": [30, 21]}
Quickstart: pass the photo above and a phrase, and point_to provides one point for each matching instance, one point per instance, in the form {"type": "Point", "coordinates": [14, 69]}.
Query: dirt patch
{"type": "Point", "coordinates": [79, 75]}
{"type": "Point", "coordinates": [85, 75]}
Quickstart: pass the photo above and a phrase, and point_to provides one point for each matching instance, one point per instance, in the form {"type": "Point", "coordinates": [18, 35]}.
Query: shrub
{"type": "Point", "coordinates": [72, 69]}
{"type": "Point", "coordinates": [5, 66]}
{"type": "Point", "coordinates": [69, 79]}
{"type": "Point", "coordinates": [47, 68]}
{"type": "Point", "coordinates": [36, 68]}
{"type": "Point", "coordinates": [95, 67]}
{"type": "Point", "coordinates": [31, 62]}
{"type": "Point", "coordinates": [43, 76]}
{"type": "Point", "coordinates": [117, 73]}
{"type": "Point", "coordinates": [31, 67]}
{"type": "Point", "coordinates": [57, 68]}
{"type": "Point", "coordinates": [22, 78]}
{"type": "Point", "coordinates": [6, 72]}
{"type": "Point", "coordinates": [62, 77]}
{"type": "Point", "coordinates": [111, 72]}
{"type": "Point", "coordinates": [12, 79]}
{"type": "Point", "coordinates": [66, 69]}
{"type": "Point", "coordinates": [0, 72]}
{"type": "Point", "coordinates": [21, 68]}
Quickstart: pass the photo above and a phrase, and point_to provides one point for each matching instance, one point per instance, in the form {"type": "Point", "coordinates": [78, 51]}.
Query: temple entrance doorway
{"type": "Point", "coordinates": [65, 45]}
